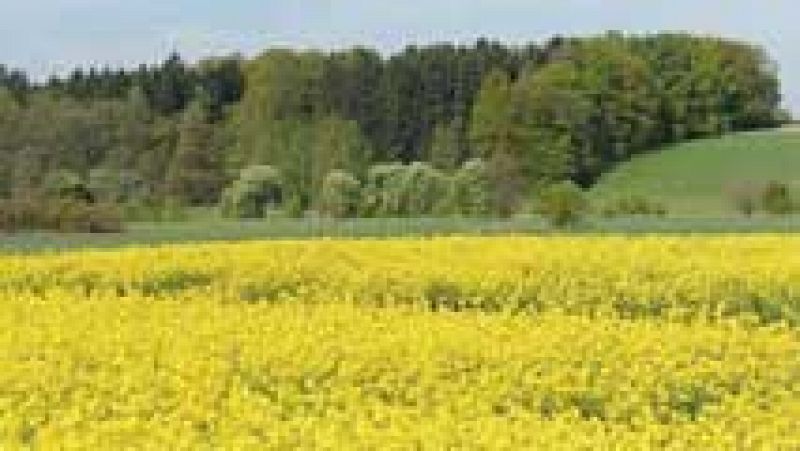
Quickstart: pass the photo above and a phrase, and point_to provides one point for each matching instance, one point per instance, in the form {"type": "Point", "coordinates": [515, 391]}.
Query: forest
{"type": "Point", "coordinates": [444, 129]}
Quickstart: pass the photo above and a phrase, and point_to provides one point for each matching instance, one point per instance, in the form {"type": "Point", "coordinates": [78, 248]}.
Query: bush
{"type": "Point", "coordinates": [117, 186]}
{"type": "Point", "coordinates": [405, 190]}
{"type": "Point", "coordinates": [633, 205]}
{"type": "Point", "coordinates": [745, 197]}
{"type": "Point", "coordinates": [79, 217]}
{"type": "Point", "coordinates": [66, 185]}
{"type": "Point", "coordinates": [471, 189]}
{"type": "Point", "coordinates": [776, 199]}
{"type": "Point", "coordinates": [61, 215]}
{"type": "Point", "coordinates": [20, 214]}
{"type": "Point", "coordinates": [382, 191]}
{"type": "Point", "coordinates": [152, 209]}
{"type": "Point", "coordinates": [341, 194]}
{"type": "Point", "coordinates": [258, 189]}
{"type": "Point", "coordinates": [562, 204]}
{"type": "Point", "coordinates": [294, 206]}
{"type": "Point", "coordinates": [424, 190]}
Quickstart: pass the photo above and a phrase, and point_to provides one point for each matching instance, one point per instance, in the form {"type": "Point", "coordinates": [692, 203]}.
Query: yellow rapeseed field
{"type": "Point", "coordinates": [448, 343]}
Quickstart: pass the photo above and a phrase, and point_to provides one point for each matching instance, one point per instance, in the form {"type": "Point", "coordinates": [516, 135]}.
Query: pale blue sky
{"type": "Point", "coordinates": [45, 36]}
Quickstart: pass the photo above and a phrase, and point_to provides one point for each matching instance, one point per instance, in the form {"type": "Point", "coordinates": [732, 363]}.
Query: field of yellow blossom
{"type": "Point", "coordinates": [652, 342]}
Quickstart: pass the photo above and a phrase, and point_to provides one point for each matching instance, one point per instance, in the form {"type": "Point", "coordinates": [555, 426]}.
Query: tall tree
{"type": "Point", "coordinates": [336, 145]}
{"type": "Point", "coordinates": [196, 173]}
{"type": "Point", "coordinates": [173, 86]}
{"type": "Point", "coordinates": [135, 132]}
{"type": "Point", "coordinates": [223, 81]}
{"type": "Point", "coordinates": [500, 140]}
{"type": "Point", "coordinates": [284, 89]}
{"type": "Point", "coordinates": [447, 148]}
{"type": "Point", "coordinates": [353, 90]}
{"type": "Point", "coordinates": [9, 127]}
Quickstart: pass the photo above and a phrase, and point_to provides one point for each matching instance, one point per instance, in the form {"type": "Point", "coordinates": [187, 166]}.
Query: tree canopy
{"type": "Point", "coordinates": [568, 108]}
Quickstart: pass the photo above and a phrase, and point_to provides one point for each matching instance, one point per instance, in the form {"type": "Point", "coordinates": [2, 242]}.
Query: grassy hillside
{"type": "Point", "coordinates": [695, 178]}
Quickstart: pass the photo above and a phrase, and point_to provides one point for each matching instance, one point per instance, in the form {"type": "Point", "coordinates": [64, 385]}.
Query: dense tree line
{"type": "Point", "coordinates": [528, 116]}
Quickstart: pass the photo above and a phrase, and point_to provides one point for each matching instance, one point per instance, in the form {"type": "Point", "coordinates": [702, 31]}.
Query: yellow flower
{"type": "Point", "coordinates": [495, 343]}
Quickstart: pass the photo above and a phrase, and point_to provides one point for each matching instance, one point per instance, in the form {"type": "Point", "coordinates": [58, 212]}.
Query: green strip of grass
{"type": "Point", "coordinates": [283, 228]}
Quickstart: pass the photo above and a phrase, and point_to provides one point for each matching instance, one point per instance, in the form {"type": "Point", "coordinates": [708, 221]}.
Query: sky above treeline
{"type": "Point", "coordinates": [52, 36]}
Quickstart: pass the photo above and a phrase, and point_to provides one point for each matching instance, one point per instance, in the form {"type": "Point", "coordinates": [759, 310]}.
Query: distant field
{"type": "Point", "coordinates": [208, 229]}
{"type": "Point", "coordinates": [201, 230]}
{"type": "Point", "coordinates": [693, 178]}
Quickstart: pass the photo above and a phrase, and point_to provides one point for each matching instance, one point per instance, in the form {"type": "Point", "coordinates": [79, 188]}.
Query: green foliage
{"type": "Point", "coordinates": [776, 199]}
{"type": "Point", "coordinates": [61, 215]}
{"type": "Point", "coordinates": [258, 189]}
{"type": "Point", "coordinates": [594, 107]}
{"type": "Point", "coordinates": [501, 141]}
{"type": "Point", "coordinates": [222, 81]}
{"type": "Point", "coordinates": [154, 209]}
{"type": "Point", "coordinates": [82, 217]}
{"type": "Point", "coordinates": [784, 117]}
{"type": "Point", "coordinates": [773, 197]}
{"type": "Point", "coordinates": [525, 133]}
{"type": "Point", "coordinates": [9, 124]}
{"type": "Point", "coordinates": [472, 189]}
{"type": "Point", "coordinates": [341, 195]}
{"type": "Point", "coordinates": [382, 190]}
{"type": "Point", "coordinates": [196, 172]}
{"type": "Point", "coordinates": [633, 205]}
{"type": "Point", "coordinates": [423, 190]}
{"type": "Point", "coordinates": [117, 186]}
{"type": "Point", "coordinates": [446, 147]}
{"type": "Point", "coordinates": [336, 144]}
{"type": "Point", "coordinates": [493, 129]}
{"type": "Point", "coordinates": [563, 204]}
{"type": "Point", "coordinates": [571, 108]}
{"type": "Point", "coordinates": [65, 184]}
{"type": "Point", "coordinates": [304, 146]}
{"type": "Point", "coordinates": [294, 206]}
{"type": "Point", "coordinates": [283, 95]}
{"type": "Point", "coordinates": [416, 189]}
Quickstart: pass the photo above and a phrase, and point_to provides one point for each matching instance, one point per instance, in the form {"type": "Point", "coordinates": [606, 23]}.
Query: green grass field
{"type": "Point", "coordinates": [228, 230]}
{"type": "Point", "coordinates": [199, 229]}
{"type": "Point", "coordinates": [695, 178]}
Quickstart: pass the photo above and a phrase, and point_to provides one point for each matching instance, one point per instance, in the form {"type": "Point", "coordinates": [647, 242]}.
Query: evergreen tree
{"type": "Point", "coordinates": [446, 147]}
{"type": "Point", "coordinates": [498, 138]}
{"type": "Point", "coordinates": [172, 86]}
{"type": "Point", "coordinates": [9, 129]}
{"type": "Point", "coordinates": [134, 133]}
{"type": "Point", "coordinates": [196, 173]}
